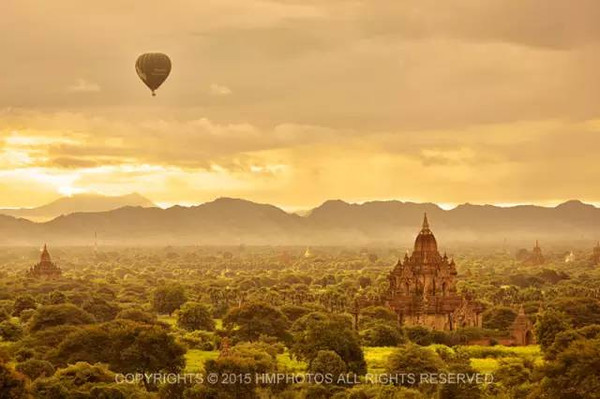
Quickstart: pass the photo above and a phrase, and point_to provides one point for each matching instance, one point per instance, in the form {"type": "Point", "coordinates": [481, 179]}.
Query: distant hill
{"type": "Point", "coordinates": [228, 221]}
{"type": "Point", "coordinates": [78, 203]}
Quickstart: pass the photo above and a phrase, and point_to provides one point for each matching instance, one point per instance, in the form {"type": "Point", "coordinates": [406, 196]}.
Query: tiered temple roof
{"type": "Point", "coordinates": [423, 288]}
{"type": "Point", "coordinates": [45, 268]}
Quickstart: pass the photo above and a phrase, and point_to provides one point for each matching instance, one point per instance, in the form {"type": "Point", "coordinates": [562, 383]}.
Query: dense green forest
{"type": "Point", "coordinates": [254, 310]}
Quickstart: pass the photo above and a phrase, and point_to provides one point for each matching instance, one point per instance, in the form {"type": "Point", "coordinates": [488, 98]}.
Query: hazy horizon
{"type": "Point", "coordinates": [301, 209]}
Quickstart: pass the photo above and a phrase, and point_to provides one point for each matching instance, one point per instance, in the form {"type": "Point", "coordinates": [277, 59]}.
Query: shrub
{"type": "Point", "coordinates": [381, 334]}
{"type": "Point", "coordinates": [24, 354]}
{"type": "Point", "coordinates": [12, 384]}
{"type": "Point", "coordinates": [419, 335]}
{"type": "Point", "coordinates": [168, 299]}
{"type": "Point", "coordinates": [4, 315]}
{"type": "Point", "coordinates": [84, 380]}
{"type": "Point", "coordinates": [322, 331]}
{"type": "Point", "coordinates": [26, 315]}
{"type": "Point", "coordinates": [10, 331]}
{"type": "Point", "coordinates": [328, 362]}
{"type": "Point", "coordinates": [6, 309]}
{"type": "Point", "coordinates": [34, 368]}
{"type": "Point", "coordinates": [22, 303]}
{"type": "Point", "coordinates": [294, 312]}
{"type": "Point", "coordinates": [56, 315]}
{"type": "Point", "coordinates": [251, 320]}
{"type": "Point", "coordinates": [195, 316]}
{"type": "Point", "coordinates": [136, 315]}
{"type": "Point", "coordinates": [200, 340]}
{"type": "Point", "coordinates": [381, 313]}
{"type": "Point", "coordinates": [499, 318]}
{"type": "Point", "coordinates": [101, 309]}
{"type": "Point", "coordinates": [414, 359]}
{"type": "Point", "coordinates": [4, 355]}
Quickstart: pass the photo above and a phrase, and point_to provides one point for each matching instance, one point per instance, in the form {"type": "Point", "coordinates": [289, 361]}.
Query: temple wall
{"type": "Point", "coordinates": [439, 321]}
{"type": "Point", "coordinates": [433, 321]}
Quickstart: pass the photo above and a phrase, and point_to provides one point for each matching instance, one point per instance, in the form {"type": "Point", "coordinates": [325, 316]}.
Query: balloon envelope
{"type": "Point", "coordinates": [153, 69]}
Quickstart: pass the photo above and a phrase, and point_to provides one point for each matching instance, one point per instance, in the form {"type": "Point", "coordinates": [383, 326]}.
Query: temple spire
{"type": "Point", "coordinates": [45, 254]}
{"type": "Point", "coordinates": [425, 223]}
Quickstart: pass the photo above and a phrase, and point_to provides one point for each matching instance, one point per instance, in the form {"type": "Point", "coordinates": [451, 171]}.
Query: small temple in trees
{"type": "Point", "coordinates": [522, 330]}
{"type": "Point", "coordinates": [45, 268]}
{"type": "Point", "coordinates": [423, 289]}
{"type": "Point", "coordinates": [536, 258]}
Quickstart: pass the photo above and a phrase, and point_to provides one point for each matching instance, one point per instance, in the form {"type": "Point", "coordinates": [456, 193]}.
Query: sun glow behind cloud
{"type": "Point", "coordinates": [297, 166]}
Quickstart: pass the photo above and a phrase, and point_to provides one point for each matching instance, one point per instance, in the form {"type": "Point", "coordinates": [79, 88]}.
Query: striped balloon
{"type": "Point", "coordinates": [153, 69]}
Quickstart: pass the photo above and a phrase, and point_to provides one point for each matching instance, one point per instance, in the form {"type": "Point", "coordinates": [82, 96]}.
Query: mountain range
{"type": "Point", "coordinates": [78, 203]}
{"type": "Point", "coordinates": [228, 221]}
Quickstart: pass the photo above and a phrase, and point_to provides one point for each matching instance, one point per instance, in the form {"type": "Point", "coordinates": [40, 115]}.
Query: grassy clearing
{"type": "Point", "coordinates": [488, 365]}
{"type": "Point", "coordinates": [291, 365]}
{"type": "Point", "coordinates": [377, 357]}
{"type": "Point", "coordinates": [170, 320]}
{"type": "Point", "coordinates": [483, 358]}
{"type": "Point", "coordinates": [195, 359]}
{"type": "Point", "coordinates": [486, 359]}
{"type": "Point", "coordinates": [5, 344]}
{"type": "Point", "coordinates": [498, 351]}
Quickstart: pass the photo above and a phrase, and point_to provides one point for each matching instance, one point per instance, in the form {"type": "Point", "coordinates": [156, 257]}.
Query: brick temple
{"type": "Point", "coordinates": [423, 288]}
{"type": "Point", "coordinates": [522, 330]}
{"type": "Point", "coordinates": [45, 268]}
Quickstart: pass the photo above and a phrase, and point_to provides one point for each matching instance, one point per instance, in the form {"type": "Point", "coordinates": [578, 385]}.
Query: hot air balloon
{"type": "Point", "coordinates": [153, 69]}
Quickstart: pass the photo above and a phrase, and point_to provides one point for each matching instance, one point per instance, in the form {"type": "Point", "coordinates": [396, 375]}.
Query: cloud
{"type": "Point", "coordinates": [449, 101]}
{"type": "Point", "coordinates": [359, 64]}
{"type": "Point", "coordinates": [197, 159]}
{"type": "Point", "coordinates": [192, 142]}
{"type": "Point", "coordinates": [219, 90]}
{"type": "Point", "coordinates": [83, 86]}
{"type": "Point", "coordinates": [78, 163]}
{"type": "Point", "coordinates": [559, 24]}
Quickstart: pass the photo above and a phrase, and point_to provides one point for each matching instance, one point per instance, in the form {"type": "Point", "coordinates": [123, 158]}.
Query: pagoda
{"type": "Point", "coordinates": [536, 258]}
{"type": "Point", "coordinates": [423, 288]}
{"type": "Point", "coordinates": [45, 268]}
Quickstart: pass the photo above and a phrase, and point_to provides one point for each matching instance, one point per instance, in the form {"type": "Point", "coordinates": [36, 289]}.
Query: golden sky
{"type": "Point", "coordinates": [293, 102]}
